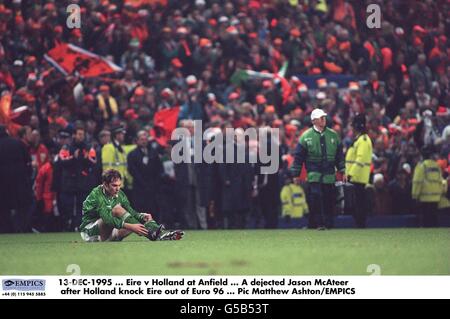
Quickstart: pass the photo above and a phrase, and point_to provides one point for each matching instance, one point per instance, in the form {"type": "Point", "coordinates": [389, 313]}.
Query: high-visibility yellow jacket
{"type": "Point", "coordinates": [112, 157]}
{"type": "Point", "coordinates": [444, 202]}
{"type": "Point", "coordinates": [358, 160]}
{"type": "Point", "coordinates": [427, 182]}
{"type": "Point", "coordinates": [293, 201]}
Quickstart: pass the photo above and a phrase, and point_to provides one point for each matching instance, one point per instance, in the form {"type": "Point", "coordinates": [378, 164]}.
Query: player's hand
{"type": "Point", "coordinates": [138, 229]}
{"type": "Point", "coordinates": [147, 217]}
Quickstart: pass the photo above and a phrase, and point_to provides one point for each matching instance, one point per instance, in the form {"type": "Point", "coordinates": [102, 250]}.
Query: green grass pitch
{"type": "Point", "coordinates": [234, 252]}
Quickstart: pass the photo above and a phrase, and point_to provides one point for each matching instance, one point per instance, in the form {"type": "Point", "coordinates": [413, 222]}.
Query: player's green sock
{"type": "Point", "coordinates": [128, 218]}
{"type": "Point", "coordinates": [152, 225]}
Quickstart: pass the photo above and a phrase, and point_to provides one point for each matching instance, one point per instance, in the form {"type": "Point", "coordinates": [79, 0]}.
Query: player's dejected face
{"type": "Point", "coordinates": [113, 188]}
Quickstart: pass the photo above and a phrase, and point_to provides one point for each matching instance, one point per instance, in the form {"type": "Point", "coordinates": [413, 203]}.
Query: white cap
{"type": "Point", "coordinates": [378, 178]}
{"type": "Point", "coordinates": [18, 63]}
{"type": "Point", "coordinates": [223, 19]}
{"type": "Point", "coordinates": [200, 2]}
{"type": "Point", "coordinates": [407, 168]}
{"type": "Point", "coordinates": [317, 114]}
{"type": "Point", "coordinates": [191, 80]}
{"type": "Point", "coordinates": [321, 95]}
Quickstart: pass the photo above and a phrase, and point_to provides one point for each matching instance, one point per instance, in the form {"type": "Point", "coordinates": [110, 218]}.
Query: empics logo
{"type": "Point", "coordinates": [23, 284]}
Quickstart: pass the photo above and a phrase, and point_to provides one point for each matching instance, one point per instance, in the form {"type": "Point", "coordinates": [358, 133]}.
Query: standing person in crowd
{"type": "Point", "coordinates": [427, 188]}
{"type": "Point", "coordinates": [108, 215]}
{"type": "Point", "coordinates": [15, 181]}
{"type": "Point", "coordinates": [357, 168]}
{"type": "Point", "coordinates": [147, 171]}
{"type": "Point", "coordinates": [114, 155]}
{"type": "Point", "coordinates": [320, 149]}
{"type": "Point", "coordinates": [76, 161]}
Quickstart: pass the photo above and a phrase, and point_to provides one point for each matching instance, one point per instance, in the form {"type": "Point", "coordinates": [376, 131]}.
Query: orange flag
{"type": "Point", "coordinates": [164, 122]}
{"type": "Point", "coordinates": [69, 58]}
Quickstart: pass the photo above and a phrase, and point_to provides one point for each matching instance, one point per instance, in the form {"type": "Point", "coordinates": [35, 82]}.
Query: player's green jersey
{"type": "Point", "coordinates": [99, 205]}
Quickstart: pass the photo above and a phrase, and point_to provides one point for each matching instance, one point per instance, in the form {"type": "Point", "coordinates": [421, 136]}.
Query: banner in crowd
{"type": "Point", "coordinates": [69, 58]}
{"type": "Point", "coordinates": [164, 122]}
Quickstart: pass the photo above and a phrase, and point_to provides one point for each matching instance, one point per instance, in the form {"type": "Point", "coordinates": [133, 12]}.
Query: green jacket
{"type": "Point", "coordinates": [322, 154]}
{"type": "Point", "coordinates": [99, 205]}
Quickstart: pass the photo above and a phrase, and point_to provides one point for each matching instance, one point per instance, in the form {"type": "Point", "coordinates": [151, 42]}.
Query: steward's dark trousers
{"type": "Point", "coordinates": [428, 214]}
{"type": "Point", "coordinates": [359, 209]}
{"type": "Point", "coordinates": [323, 202]}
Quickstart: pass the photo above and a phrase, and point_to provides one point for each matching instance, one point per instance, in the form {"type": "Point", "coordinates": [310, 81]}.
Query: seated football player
{"type": "Point", "coordinates": [108, 215]}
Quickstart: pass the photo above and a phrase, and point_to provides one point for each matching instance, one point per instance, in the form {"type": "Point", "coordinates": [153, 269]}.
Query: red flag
{"type": "Point", "coordinates": [164, 122]}
{"type": "Point", "coordinates": [69, 58]}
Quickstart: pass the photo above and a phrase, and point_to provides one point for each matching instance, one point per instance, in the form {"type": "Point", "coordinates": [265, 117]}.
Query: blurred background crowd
{"type": "Point", "coordinates": [236, 63]}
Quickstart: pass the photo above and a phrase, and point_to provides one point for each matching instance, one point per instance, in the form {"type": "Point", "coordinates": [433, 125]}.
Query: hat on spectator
{"type": "Point", "coordinates": [191, 80]}
{"type": "Point", "coordinates": [353, 86]}
{"type": "Point", "coordinates": [321, 95]}
{"type": "Point", "coordinates": [130, 114]}
{"type": "Point", "coordinates": [407, 168]}
{"type": "Point", "coordinates": [302, 88]}
{"type": "Point", "coordinates": [176, 63]}
{"type": "Point", "coordinates": [18, 63]}
{"type": "Point", "coordinates": [88, 98]}
{"type": "Point", "coordinates": [200, 2]}
{"type": "Point", "coordinates": [267, 83]}
{"type": "Point", "coordinates": [223, 19]}
{"type": "Point", "coordinates": [260, 99]}
{"type": "Point", "coordinates": [118, 129]}
{"type": "Point", "coordinates": [232, 30]}
{"type": "Point", "coordinates": [322, 83]}
{"type": "Point", "coordinates": [134, 42]}
{"type": "Point", "coordinates": [166, 92]}
{"type": "Point", "coordinates": [233, 96]}
{"type": "Point", "coordinates": [269, 109]}
{"type": "Point", "coordinates": [212, 22]}
{"type": "Point", "coordinates": [204, 42]}
{"type": "Point", "coordinates": [317, 114]}
{"type": "Point", "coordinates": [104, 88]}
{"type": "Point", "coordinates": [442, 111]}
{"type": "Point", "coordinates": [211, 97]}
{"type": "Point", "coordinates": [182, 30]}
{"type": "Point", "coordinates": [278, 41]}
{"type": "Point", "coordinates": [139, 91]}
{"type": "Point", "coordinates": [295, 32]}
{"type": "Point", "coordinates": [378, 178]}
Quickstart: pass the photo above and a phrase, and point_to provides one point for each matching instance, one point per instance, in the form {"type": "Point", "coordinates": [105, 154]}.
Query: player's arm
{"type": "Point", "coordinates": [92, 203]}
{"type": "Point", "coordinates": [127, 206]}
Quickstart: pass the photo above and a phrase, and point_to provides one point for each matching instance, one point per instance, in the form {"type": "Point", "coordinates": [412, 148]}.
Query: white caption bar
{"type": "Point", "coordinates": [225, 287]}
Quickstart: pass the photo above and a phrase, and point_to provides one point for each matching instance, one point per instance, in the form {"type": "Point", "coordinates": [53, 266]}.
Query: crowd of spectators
{"type": "Point", "coordinates": [184, 54]}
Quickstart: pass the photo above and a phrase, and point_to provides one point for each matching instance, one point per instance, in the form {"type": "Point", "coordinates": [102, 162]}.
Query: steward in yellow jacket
{"type": "Point", "coordinates": [357, 168]}
{"type": "Point", "coordinates": [293, 201]}
{"type": "Point", "coordinates": [427, 188]}
{"type": "Point", "coordinates": [114, 156]}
